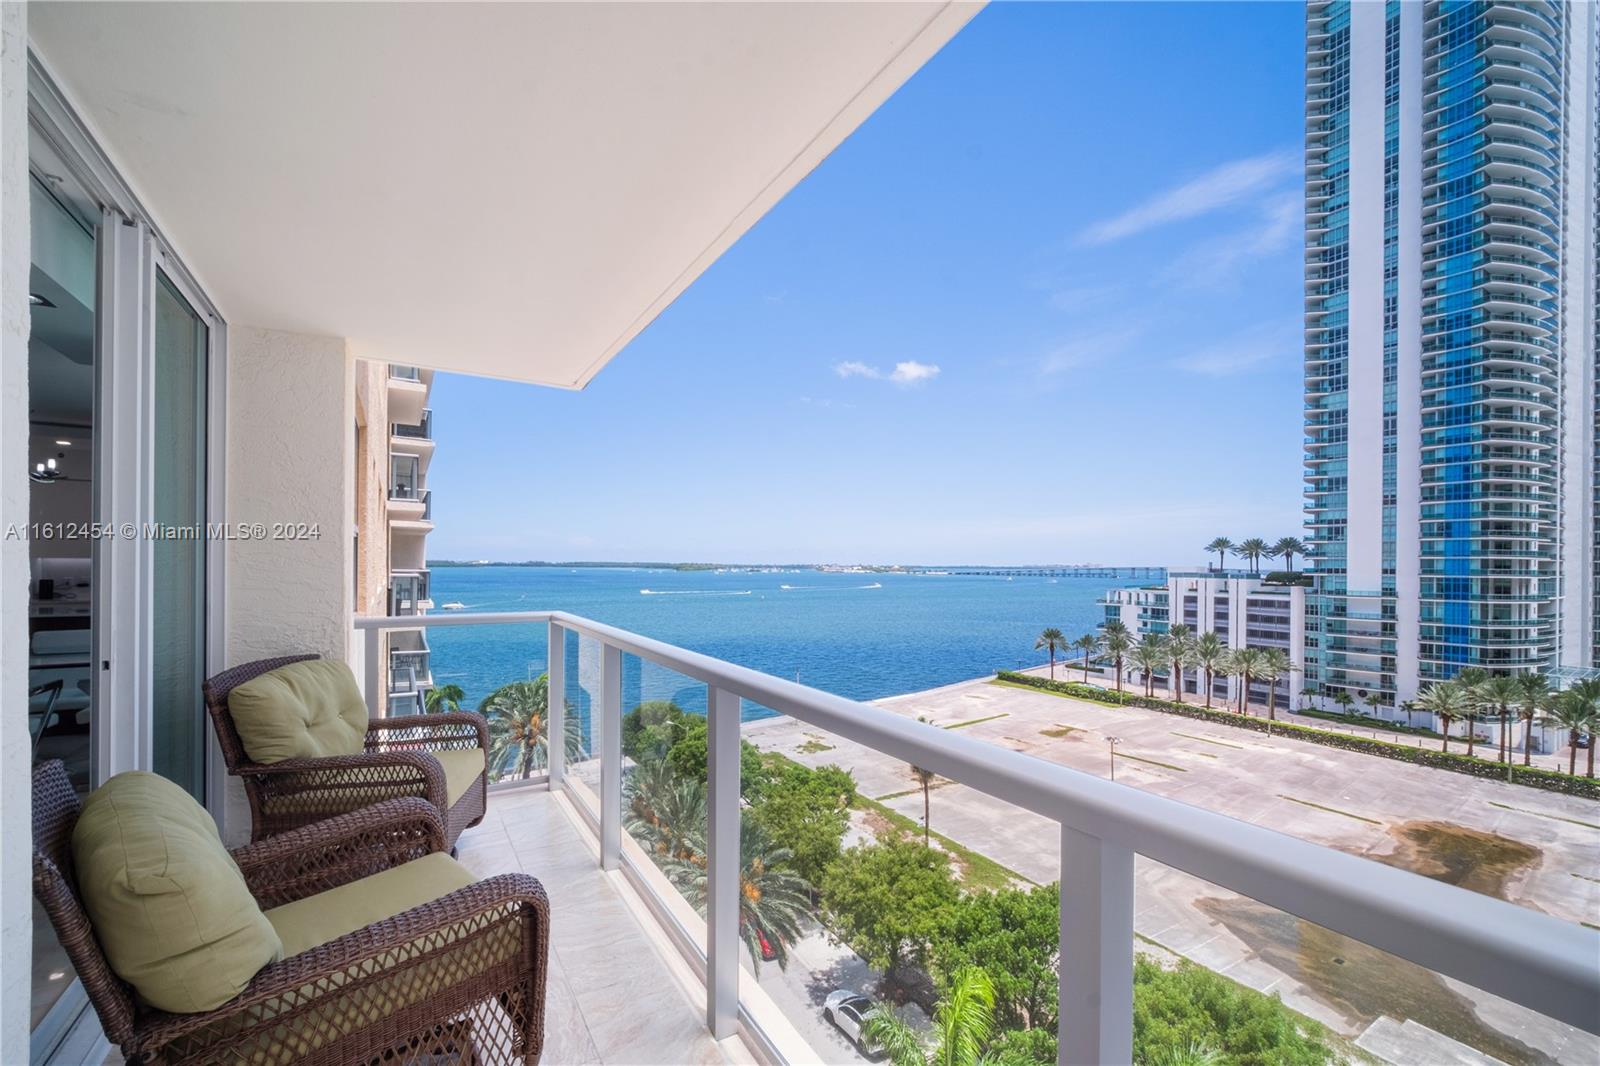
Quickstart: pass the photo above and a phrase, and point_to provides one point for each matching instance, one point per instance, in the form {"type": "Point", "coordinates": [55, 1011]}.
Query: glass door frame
{"type": "Point", "coordinates": [131, 249]}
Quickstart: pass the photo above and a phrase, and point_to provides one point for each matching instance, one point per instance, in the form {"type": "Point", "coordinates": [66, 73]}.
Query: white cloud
{"type": "Point", "coordinates": [1246, 351]}
{"type": "Point", "coordinates": [1217, 260]}
{"type": "Point", "coordinates": [1217, 188]}
{"type": "Point", "coordinates": [905, 374]}
{"type": "Point", "coordinates": [1088, 348]}
{"type": "Point", "coordinates": [912, 372]}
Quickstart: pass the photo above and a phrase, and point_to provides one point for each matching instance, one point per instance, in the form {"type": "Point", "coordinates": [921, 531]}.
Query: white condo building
{"type": "Point", "coordinates": [1450, 341]}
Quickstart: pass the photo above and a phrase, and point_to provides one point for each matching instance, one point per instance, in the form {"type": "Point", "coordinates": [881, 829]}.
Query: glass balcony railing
{"type": "Point", "coordinates": [761, 820]}
{"type": "Point", "coordinates": [404, 373]}
{"type": "Point", "coordinates": [420, 431]}
{"type": "Point", "coordinates": [407, 591]}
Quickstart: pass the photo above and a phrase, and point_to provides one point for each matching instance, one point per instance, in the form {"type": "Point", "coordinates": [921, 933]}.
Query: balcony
{"type": "Point", "coordinates": [408, 593]}
{"type": "Point", "coordinates": [408, 393]}
{"type": "Point", "coordinates": [628, 929]}
{"type": "Point", "coordinates": [422, 429]}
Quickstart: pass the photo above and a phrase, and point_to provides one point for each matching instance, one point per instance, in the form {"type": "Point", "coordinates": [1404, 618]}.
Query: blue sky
{"type": "Point", "coordinates": [1044, 305]}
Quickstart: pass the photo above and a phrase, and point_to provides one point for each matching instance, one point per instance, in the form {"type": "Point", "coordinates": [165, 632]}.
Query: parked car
{"type": "Point", "coordinates": [847, 1011]}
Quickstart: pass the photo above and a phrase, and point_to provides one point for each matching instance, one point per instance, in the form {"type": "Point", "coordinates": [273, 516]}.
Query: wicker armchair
{"type": "Point", "coordinates": [461, 979]}
{"type": "Point", "coordinates": [286, 795]}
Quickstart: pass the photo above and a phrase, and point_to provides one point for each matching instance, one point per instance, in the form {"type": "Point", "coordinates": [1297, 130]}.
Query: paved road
{"type": "Point", "coordinates": [817, 966]}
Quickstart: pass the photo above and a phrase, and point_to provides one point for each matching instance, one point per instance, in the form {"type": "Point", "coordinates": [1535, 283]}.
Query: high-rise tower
{"type": "Point", "coordinates": [1450, 340]}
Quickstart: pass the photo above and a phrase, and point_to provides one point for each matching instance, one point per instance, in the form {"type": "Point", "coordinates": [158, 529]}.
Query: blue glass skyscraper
{"type": "Point", "coordinates": [1450, 340]}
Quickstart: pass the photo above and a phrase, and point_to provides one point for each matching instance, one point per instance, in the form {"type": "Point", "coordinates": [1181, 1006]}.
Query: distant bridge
{"type": "Point", "coordinates": [1109, 573]}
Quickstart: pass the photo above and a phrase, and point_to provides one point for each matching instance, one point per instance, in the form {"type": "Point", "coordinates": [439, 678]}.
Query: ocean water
{"type": "Point", "coordinates": [857, 635]}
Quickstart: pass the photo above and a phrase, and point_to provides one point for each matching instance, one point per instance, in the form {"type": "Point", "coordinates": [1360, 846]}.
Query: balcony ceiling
{"type": "Point", "coordinates": [505, 189]}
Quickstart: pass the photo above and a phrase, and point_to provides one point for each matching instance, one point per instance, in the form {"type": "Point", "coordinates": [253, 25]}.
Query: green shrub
{"type": "Point", "coordinates": [1190, 1006]}
{"type": "Point", "coordinates": [1287, 577]}
{"type": "Point", "coordinates": [1529, 776]}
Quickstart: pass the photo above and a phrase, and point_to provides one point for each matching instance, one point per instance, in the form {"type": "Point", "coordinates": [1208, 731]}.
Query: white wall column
{"type": "Point", "coordinates": [16, 891]}
{"type": "Point", "coordinates": [1408, 365]}
{"type": "Point", "coordinates": [291, 459]}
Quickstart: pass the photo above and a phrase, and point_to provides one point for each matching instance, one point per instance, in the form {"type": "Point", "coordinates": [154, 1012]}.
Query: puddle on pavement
{"type": "Point", "coordinates": [1363, 983]}
{"type": "Point", "coordinates": [1456, 855]}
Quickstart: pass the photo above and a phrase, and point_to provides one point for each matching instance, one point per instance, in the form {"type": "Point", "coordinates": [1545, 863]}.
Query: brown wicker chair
{"type": "Point", "coordinates": [461, 979]}
{"type": "Point", "coordinates": [295, 792]}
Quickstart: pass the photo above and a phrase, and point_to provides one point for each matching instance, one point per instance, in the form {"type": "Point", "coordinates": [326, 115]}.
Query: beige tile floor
{"type": "Point", "coordinates": [614, 997]}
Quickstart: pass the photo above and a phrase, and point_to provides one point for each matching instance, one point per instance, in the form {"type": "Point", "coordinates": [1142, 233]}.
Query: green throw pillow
{"type": "Point", "coordinates": [308, 710]}
{"type": "Point", "coordinates": [168, 903]}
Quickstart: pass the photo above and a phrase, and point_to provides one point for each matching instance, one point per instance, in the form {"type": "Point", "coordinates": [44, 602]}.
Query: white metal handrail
{"type": "Point", "coordinates": [1540, 962]}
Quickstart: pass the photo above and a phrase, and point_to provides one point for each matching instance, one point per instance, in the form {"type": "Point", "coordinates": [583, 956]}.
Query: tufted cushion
{"type": "Point", "coordinates": [167, 901]}
{"type": "Point", "coordinates": [306, 710]}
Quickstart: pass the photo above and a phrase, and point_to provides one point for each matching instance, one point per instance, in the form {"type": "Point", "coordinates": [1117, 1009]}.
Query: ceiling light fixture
{"type": "Point", "coordinates": [35, 300]}
{"type": "Point", "coordinates": [45, 473]}
{"type": "Point", "coordinates": [64, 443]}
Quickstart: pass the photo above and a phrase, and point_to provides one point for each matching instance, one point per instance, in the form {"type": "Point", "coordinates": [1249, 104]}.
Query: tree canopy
{"type": "Point", "coordinates": [889, 900]}
{"type": "Point", "coordinates": [1015, 936]}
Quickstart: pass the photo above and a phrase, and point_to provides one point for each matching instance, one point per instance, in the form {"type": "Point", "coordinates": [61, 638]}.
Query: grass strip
{"type": "Point", "coordinates": [1210, 740]}
{"type": "Point", "coordinates": [1060, 731]}
{"type": "Point", "coordinates": [814, 747]}
{"type": "Point", "coordinates": [1586, 877]}
{"type": "Point", "coordinates": [1330, 810]}
{"type": "Point", "coordinates": [1152, 762]}
{"type": "Point", "coordinates": [981, 871]}
{"type": "Point", "coordinates": [1542, 814]}
{"type": "Point", "coordinates": [975, 721]}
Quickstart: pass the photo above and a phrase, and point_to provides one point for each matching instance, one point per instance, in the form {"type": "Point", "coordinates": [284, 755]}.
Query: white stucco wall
{"type": "Point", "coordinates": [291, 459]}
{"type": "Point", "coordinates": [16, 894]}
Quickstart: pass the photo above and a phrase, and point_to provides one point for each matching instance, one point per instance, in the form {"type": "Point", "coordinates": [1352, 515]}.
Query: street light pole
{"type": "Point", "coordinates": [1113, 741]}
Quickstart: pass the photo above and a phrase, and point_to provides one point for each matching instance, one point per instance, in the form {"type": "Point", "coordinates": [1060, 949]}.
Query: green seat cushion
{"type": "Point", "coordinates": [167, 901]}
{"type": "Point", "coordinates": [307, 923]}
{"type": "Point", "coordinates": [462, 767]}
{"type": "Point", "coordinates": [306, 710]}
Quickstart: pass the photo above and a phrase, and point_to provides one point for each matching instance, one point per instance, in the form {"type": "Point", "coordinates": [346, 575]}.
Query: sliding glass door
{"type": "Point", "coordinates": [178, 548]}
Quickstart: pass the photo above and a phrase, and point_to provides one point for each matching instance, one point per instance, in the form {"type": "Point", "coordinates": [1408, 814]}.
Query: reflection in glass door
{"type": "Point", "coordinates": [178, 565]}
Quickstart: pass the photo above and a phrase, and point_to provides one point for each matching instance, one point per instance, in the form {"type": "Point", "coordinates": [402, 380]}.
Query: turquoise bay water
{"type": "Point", "coordinates": [857, 635]}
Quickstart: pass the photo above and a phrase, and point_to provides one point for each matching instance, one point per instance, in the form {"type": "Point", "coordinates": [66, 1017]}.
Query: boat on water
{"type": "Point", "coordinates": [454, 605]}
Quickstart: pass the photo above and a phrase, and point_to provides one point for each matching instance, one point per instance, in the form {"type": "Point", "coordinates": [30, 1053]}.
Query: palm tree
{"type": "Point", "coordinates": [1089, 643]}
{"type": "Point", "coordinates": [1373, 702]}
{"type": "Point", "coordinates": [1344, 700]}
{"type": "Point", "coordinates": [1246, 664]}
{"type": "Point", "coordinates": [1222, 546]}
{"type": "Point", "coordinates": [443, 698]}
{"type": "Point", "coordinates": [1180, 652]}
{"type": "Point", "coordinates": [1274, 664]}
{"type": "Point", "coordinates": [1308, 692]}
{"type": "Point", "coordinates": [1471, 714]}
{"type": "Point", "coordinates": [1500, 692]}
{"type": "Point", "coordinates": [1252, 549]}
{"type": "Point", "coordinates": [519, 724]}
{"type": "Point", "coordinates": [1570, 711]}
{"type": "Point", "coordinates": [1288, 548]}
{"type": "Point", "coordinates": [962, 1024]}
{"type": "Point", "coordinates": [1211, 656]}
{"type": "Point", "coordinates": [925, 779]}
{"type": "Point", "coordinates": [1149, 656]}
{"type": "Point", "coordinates": [773, 899]}
{"type": "Point", "coordinates": [664, 811]}
{"type": "Point", "coordinates": [1533, 698]}
{"type": "Point", "coordinates": [1444, 700]}
{"type": "Point", "coordinates": [1118, 642]}
{"type": "Point", "coordinates": [1589, 692]}
{"type": "Point", "coordinates": [1054, 640]}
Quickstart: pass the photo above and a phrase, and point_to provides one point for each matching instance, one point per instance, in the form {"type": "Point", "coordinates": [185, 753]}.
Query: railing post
{"type": "Point", "coordinates": [610, 756]}
{"type": "Point", "coordinates": [1095, 1021]}
{"type": "Point", "coordinates": [722, 873]}
{"type": "Point", "coordinates": [374, 669]}
{"type": "Point", "coordinates": [556, 714]}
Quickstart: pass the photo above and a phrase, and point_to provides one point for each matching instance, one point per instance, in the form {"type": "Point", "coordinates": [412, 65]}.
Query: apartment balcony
{"type": "Point", "coordinates": [413, 439]}
{"type": "Point", "coordinates": [408, 393]}
{"type": "Point", "coordinates": [408, 593]}
{"type": "Point", "coordinates": [643, 970]}
{"type": "Point", "coordinates": [410, 674]}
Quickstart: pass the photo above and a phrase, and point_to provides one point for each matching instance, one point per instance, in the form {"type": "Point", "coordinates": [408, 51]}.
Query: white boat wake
{"type": "Point", "coordinates": [830, 588]}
